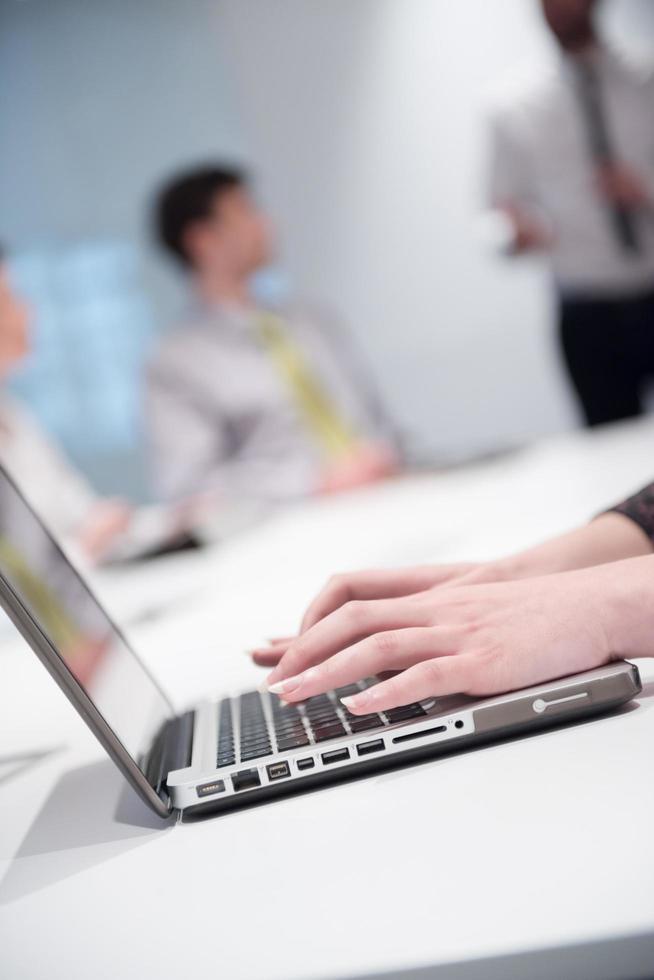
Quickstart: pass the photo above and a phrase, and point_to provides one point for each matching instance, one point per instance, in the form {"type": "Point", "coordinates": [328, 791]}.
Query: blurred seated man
{"type": "Point", "coordinates": [245, 402]}
{"type": "Point", "coordinates": [55, 489]}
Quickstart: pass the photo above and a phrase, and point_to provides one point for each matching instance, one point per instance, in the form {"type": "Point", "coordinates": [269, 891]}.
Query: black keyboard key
{"type": "Point", "coordinates": [289, 736]}
{"type": "Point", "coordinates": [255, 754]}
{"type": "Point", "coordinates": [319, 716]}
{"type": "Point", "coordinates": [319, 701]}
{"type": "Point", "coordinates": [290, 711]}
{"type": "Point", "coordinates": [365, 724]}
{"type": "Point", "coordinates": [405, 712]}
{"type": "Point", "coordinates": [322, 720]}
{"type": "Point", "coordinates": [259, 747]}
{"type": "Point", "coordinates": [287, 720]}
{"type": "Point", "coordinates": [347, 691]}
{"type": "Point", "coordinates": [329, 731]}
{"type": "Point", "coordinates": [296, 742]}
{"type": "Point", "coordinates": [225, 754]}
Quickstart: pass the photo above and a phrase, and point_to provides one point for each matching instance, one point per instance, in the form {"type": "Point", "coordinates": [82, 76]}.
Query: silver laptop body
{"type": "Point", "coordinates": [247, 747]}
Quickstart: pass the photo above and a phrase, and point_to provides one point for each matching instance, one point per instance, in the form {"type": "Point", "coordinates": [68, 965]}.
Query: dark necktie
{"type": "Point", "coordinates": [623, 219]}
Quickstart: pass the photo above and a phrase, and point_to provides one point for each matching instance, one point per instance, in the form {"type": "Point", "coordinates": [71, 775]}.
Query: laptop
{"type": "Point", "coordinates": [249, 747]}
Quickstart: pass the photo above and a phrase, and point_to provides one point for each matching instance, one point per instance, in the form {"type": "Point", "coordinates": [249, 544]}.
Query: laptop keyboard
{"type": "Point", "coordinates": [294, 726]}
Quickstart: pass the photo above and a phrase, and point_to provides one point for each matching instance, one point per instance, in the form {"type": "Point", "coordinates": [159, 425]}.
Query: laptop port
{"type": "Point", "coordinates": [246, 779]}
{"type": "Point", "coordinates": [278, 770]}
{"type": "Point", "coordinates": [420, 733]}
{"type": "Point", "coordinates": [365, 748]}
{"type": "Point", "coordinates": [307, 763]}
{"type": "Point", "coordinates": [337, 755]}
{"type": "Point", "coordinates": [208, 789]}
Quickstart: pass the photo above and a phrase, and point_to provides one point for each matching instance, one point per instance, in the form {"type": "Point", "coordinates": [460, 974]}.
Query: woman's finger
{"type": "Point", "coordinates": [369, 584]}
{"type": "Point", "coordinates": [270, 655]}
{"type": "Point", "coordinates": [391, 650]}
{"type": "Point", "coordinates": [431, 678]}
{"type": "Point", "coordinates": [342, 628]}
{"type": "Point", "coordinates": [266, 657]}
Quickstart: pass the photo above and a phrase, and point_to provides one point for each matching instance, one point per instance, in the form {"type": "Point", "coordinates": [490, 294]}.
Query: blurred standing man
{"type": "Point", "coordinates": [573, 170]}
{"type": "Point", "coordinates": [243, 401]}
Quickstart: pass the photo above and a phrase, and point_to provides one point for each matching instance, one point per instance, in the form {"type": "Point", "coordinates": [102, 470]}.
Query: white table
{"type": "Point", "coordinates": [544, 843]}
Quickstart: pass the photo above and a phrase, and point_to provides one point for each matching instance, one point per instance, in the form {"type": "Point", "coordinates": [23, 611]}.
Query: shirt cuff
{"type": "Point", "coordinates": [639, 509]}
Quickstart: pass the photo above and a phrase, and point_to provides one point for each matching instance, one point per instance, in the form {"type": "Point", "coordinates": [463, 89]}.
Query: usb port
{"type": "Point", "coordinates": [365, 748]}
{"type": "Point", "coordinates": [278, 770]}
{"type": "Point", "coordinates": [307, 763]}
{"type": "Point", "coordinates": [338, 755]}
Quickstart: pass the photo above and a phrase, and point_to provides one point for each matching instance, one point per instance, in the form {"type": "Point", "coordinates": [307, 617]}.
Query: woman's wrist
{"type": "Point", "coordinates": [625, 604]}
{"type": "Point", "coordinates": [610, 537]}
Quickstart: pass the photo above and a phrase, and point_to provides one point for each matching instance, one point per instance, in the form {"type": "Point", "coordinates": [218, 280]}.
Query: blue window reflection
{"type": "Point", "coordinates": [91, 327]}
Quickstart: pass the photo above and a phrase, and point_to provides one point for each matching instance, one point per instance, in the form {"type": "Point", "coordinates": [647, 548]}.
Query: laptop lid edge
{"type": "Point", "coordinates": [64, 679]}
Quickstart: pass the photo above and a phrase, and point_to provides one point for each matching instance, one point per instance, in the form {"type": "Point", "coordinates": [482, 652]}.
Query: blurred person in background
{"type": "Point", "coordinates": [242, 401]}
{"type": "Point", "coordinates": [573, 171]}
{"type": "Point", "coordinates": [96, 529]}
{"type": "Point", "coordinates": [56, 490]}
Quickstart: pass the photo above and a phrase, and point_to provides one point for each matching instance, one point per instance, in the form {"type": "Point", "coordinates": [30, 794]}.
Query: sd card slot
{"type": "Point", "coordinates": [420, 734]}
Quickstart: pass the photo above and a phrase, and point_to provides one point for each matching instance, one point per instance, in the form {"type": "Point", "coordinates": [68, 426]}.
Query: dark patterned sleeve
{"type": "Point", "coordinates": [640, 509]}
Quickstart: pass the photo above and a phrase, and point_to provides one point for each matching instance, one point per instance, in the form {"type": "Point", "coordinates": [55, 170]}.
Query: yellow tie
{"type": "Point", "coordinates": [318, 411]}
{"type": "Point", "coordinates": [63, 632]}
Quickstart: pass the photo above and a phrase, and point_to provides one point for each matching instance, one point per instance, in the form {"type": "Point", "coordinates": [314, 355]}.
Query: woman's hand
{"type": "Point", "coordinates": [472, 639]}
{"type": "Point", "coordinates": [376, 584]}
{"type": "Point", "coordinates": [610, 537]}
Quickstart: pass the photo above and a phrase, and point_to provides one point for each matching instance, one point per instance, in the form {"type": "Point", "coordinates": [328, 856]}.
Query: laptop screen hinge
{"type": "Point", "coordinates": [172, 749]}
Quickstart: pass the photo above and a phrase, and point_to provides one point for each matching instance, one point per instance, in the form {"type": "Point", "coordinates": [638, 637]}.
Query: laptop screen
{"type": "Point", "coordinates": [77, 627]}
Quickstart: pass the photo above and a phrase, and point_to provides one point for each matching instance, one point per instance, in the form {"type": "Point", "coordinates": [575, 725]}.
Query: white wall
{"type": "Point", "coordinates": [98, 102]}
{"type": "Point", "coordinates": [365, 120]}
{"type": "Point", "coordinates": [369, 116]}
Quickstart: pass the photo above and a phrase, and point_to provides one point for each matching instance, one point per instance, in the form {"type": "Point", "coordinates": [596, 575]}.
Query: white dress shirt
{"type": "Point", "coordinates": [56, 491]}
{"type": "Point", "coordinates": [221, 417]}
{"type": "Point", "coordinates": [541, 160]}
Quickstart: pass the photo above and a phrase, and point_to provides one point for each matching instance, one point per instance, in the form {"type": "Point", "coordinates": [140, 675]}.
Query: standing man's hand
{"type": "Point", "coordinates": [531, 233]}
{"type": "Point", "coordinates": [618, 183]}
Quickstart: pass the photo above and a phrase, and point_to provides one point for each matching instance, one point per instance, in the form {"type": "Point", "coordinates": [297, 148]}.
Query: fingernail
{"type": "Point", "coordinates": [287, 686]}
{"type": "Point", "coordinates": [354, 701]}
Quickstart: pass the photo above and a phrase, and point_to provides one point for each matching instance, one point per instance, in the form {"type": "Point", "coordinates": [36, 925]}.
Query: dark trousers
{"type": "Point", "coordinates": [608, 346]}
